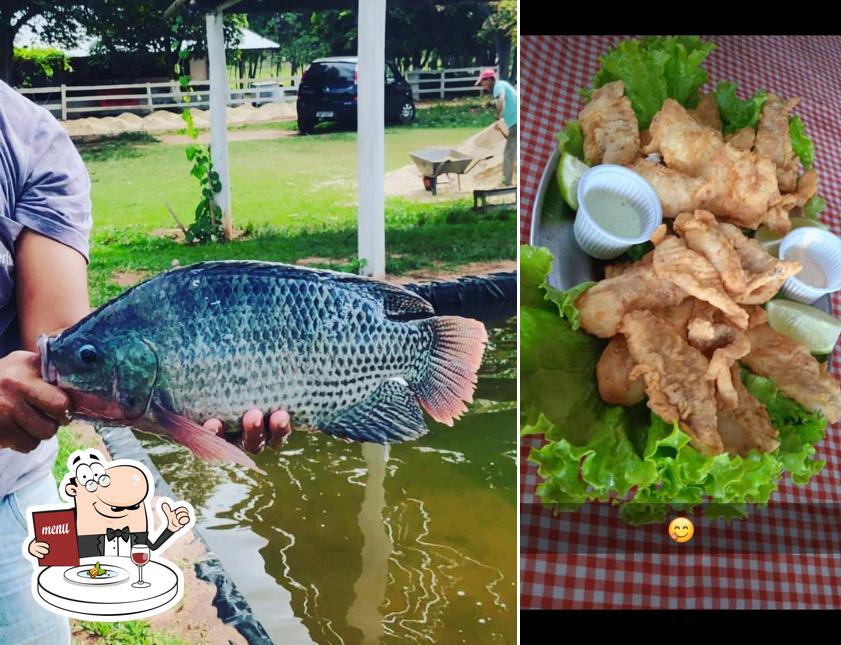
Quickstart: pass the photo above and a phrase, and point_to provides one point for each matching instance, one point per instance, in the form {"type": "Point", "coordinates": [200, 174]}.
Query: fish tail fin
{"type": "Point", "coordinates": [446, 378]}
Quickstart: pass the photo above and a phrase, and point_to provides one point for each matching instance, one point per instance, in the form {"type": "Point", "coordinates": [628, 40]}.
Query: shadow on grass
{"type": "Point", "coordinates": [444, 239]}
{"type": "Point", "coordinates": [121, 146]}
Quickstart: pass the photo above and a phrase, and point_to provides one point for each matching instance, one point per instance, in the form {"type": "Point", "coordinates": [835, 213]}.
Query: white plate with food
{"type": "Point", "coordinates": [86, 574]}
{"type": "Point", "coordinates": [663, 377]}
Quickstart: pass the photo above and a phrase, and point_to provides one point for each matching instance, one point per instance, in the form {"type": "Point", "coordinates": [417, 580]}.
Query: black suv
{"type": "Point", "coordinates": [328, 93]}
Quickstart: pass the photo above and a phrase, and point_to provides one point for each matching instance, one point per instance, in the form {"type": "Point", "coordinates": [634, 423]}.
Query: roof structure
{"type": "Point", "coordinates": [28, 37]}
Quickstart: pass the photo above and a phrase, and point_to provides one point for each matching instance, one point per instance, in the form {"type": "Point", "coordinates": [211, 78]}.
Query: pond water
{"type": "Point", "coordinates": [350, 543]}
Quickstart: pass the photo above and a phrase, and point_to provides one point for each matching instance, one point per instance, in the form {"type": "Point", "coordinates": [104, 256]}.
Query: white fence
{"type": "Point", "coordinates": [67, 101]}
{"type": "Point", "coordinates": [445, 83]}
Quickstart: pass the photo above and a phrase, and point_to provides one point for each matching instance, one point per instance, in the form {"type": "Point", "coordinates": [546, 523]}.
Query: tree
{"type": "Point", "coordinates": [501, 26]}
{"type": "Point", "coordinates": [420, 34]}
{"type": "Point", "coordinates": [299, 44]}
{"type": "Point", "coordinates": [58, 25]}
{"type": "Point", "coordinates": [140, 26]}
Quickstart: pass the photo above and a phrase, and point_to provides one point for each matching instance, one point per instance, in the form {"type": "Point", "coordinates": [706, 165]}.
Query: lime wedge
{"type": "Point", "coordinates": [807, 325]}
{"type": "Point", "coordinates": [570, 170]}
{"type": "Point", "coordinates": [771, 240]}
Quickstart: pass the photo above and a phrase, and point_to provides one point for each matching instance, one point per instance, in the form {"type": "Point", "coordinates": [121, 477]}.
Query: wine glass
{"type": "Point", "coordinates": [140, 556]}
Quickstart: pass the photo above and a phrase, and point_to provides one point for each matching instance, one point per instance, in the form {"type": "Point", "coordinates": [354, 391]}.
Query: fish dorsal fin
{"type": "Point", "coordinates": [398, 303]}
{"type": "Point", "coordinates": [389, 415]}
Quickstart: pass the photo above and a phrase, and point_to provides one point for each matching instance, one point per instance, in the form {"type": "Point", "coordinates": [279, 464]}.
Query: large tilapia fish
{"type": "Point", "coordinates": [352, 357]}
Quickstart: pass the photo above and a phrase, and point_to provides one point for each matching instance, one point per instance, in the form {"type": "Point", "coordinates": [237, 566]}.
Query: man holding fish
{"type": "Point", "coordinates": [45, 222]}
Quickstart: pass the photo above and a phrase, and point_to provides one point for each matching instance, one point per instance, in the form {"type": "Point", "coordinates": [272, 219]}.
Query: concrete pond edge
{"type": "Point", "coordinates": [230, 605]}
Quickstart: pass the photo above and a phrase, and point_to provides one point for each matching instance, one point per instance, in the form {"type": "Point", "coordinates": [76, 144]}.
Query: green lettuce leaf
{"type": "Point", "coordinates": [558, 370]}
{"type": "Point", "coordinates": [535, 266]}
{"type": "Point", "coordinates": [814, 207]}
{"type": "Point", "coordinates": [736, 113]}
{"type": "Point", "coordinates": [638, 250]}
{"type": "Point", "coordinates": [799, 428]}
{"type": "Point", "coordinates": [535, 290]}
{"type": "Point", "coordinates": [802, 145]}
{"type": "Point", "coordinates": [571, 140]}
{"type": "Point", "coordinates": [654, 69]}
{"type": "Point", "coordinates": [629, 456]}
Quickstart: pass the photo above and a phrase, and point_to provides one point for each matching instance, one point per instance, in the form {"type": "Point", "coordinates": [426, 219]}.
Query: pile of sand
{"type": "Point", "coordinates": [277, 111]}
{"type": "Point", "coordinates": [408, 182]}
{"type": "Point", "coordinates": [201, 118]}
{"type": "Point", "coordinates": [164, 121]}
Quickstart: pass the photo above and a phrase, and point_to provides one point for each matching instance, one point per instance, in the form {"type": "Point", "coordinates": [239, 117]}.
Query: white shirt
{"type": "Point", "coordinates": [117, 546]}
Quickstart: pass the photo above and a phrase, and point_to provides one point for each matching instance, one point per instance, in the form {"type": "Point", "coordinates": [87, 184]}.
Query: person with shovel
{"type": "Point", "coordinates": [506, 109]}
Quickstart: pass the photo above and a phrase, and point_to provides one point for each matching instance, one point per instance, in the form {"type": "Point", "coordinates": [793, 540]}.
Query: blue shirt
{"type": "Point", "coordinates": [509, 110]}
{"type": "Point", "coordinates": [45, 187]}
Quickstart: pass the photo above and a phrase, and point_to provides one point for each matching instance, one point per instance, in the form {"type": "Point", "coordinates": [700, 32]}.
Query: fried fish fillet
{"type": "Point", "coordinates": [613, 374]}
{"type": "Point", "coordinates": [745, 189]}
{"type": "Point", "coordinates": [679, 315]}
{"type": "Point", "coordinates": [795, 371]}
{"type": "Point", "coordinates": [603, 305]}
{"type": "Point", "coordinates": [707, 112]}
{"type": "Point", "coordinates": [747, 426]}
{"type": "Point", "coordinates": [742, 139]}
{"type": "Point", "coordinates": [807, 187]}
{"type": "Point", "coordinates": [723, 345]}
{"type": "Point", "coordinates": [674, 373]}
{"type": "Point", "coordinates": [702, 234]}
{"type": "Point", "coordinates": [765, 273]}
{"type": "Point", "coordinates": [692, 272]}
{"type": "Point", "coordinates": [677, 191]}
{"type": "Point", "coordinates": [611, 129]}
{"type": "Point", "coordinates": [773, 140]}
{"type": "Point", "coordinates": [618, 268]}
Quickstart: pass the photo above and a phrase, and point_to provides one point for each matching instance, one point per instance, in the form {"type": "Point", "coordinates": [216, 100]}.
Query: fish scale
{"type": "Point", "coordinates": [353, 357]}
{"type": "Point", "coordinates": [287, 366]}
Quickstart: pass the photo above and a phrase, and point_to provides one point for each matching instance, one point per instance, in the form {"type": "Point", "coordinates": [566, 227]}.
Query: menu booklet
{"type": "Point", "coordinates": [58, 529]}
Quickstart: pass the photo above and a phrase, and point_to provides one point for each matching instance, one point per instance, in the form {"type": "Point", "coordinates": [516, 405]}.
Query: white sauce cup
{"type": "Point", "coordinates": [626, 184]}
{"type": "Point", "coordinates": [824, 249]}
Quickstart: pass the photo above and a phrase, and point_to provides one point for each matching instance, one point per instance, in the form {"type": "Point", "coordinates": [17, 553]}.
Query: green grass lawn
{"type": "Point", "coordinates": [443, 236]}
{"type": "Point", "coordinates": [279, 181]}
{"type": "Point", "coordinates": [294, 197]}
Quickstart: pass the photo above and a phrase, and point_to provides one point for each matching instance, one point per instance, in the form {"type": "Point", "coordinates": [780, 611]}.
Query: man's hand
{"type": "Point", "coordinates": [38, 549]}
{"type": "Point", "coordinates": [177, 518]}
{"type": "Point", "coordinates": [30, 409]}
{"type": "Point", "coordinates": [255, 435]}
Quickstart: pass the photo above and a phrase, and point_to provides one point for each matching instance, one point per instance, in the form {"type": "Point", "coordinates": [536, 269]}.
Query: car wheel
{"type": "Point", "coordinates": [306, 125]}
{"type": "Point", "coordinates": [407, 112]}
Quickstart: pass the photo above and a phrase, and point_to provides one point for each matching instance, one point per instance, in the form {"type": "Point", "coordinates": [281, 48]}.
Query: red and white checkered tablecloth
{"type": "Point", "coordinates": [785, 556]}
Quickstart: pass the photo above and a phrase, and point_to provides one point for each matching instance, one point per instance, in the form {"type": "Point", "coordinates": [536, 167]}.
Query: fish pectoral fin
{"type": "Point", "coordinates": [390, 414]}
{"type": "Point", "coordinates": [204, 444]}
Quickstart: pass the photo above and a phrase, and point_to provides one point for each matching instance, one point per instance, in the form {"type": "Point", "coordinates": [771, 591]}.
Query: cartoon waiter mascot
{"type": "Point", "coordinates": [109, 509]}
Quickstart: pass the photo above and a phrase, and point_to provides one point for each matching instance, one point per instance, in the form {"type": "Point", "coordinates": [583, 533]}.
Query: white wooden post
{"type": "Point", "coordinates": [149, 97]}
{"type": "Point", "coordinates": [63, 102]}
{"type": "Point", "coordinates": [443, 73]}
{"type": "Point", "coordinates": [371, 137]}
{"type": "Point", "coordinates": [218, 117]}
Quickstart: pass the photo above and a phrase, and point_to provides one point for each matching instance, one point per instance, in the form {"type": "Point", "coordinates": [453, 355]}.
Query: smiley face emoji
{"type": "Point", "coordinates": [681, 529]}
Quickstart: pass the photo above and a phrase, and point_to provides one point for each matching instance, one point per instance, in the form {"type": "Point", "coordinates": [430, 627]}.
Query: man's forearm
{"type": "Point", "coordinates": [51, 286]}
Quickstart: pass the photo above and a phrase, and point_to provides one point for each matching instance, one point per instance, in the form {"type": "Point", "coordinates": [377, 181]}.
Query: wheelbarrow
{"type": "Point", "coordinates": [433, 162]}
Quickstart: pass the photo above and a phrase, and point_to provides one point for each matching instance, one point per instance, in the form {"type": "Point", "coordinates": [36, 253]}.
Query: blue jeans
{"type": "Point", "coordinates": [22, 620]}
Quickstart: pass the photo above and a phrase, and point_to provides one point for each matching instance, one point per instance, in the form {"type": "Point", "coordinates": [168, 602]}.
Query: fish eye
{"type": "Point", "coordinates": [88, 354]}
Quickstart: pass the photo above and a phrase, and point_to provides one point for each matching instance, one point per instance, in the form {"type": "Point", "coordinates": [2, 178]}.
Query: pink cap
{"type": "Point", "coordinates": [486, 73]}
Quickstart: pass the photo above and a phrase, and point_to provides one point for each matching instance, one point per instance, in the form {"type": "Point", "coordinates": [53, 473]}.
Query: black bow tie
{"type": "Point", "coordinates": [123, 533]}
